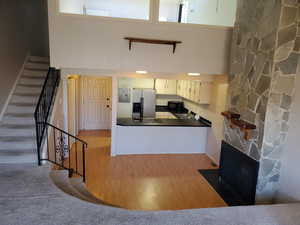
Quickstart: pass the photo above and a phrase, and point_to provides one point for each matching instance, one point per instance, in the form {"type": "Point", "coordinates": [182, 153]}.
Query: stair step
{"type": "Point", "coordinates": [30, 85]}
{"type": "Point", "coordinates": [41, 74]}
{"type": "Point", "coordinates": [17, 139]}
{"type": "Point", "coordinates": [18, 156]}
{"type": "Point", "coordinates": [18, 120]}
{"type": "Point", "coordinates": [35, 81]}
{"type": "Point", "coordinates": [39, 59]}
{"type": "Point", "coordinates": [20, 115]}
{"type": "Point", "coordinates": [37, 66]}
{"type": "Point", "coordinates": [23, 104]}
{"type": "Point", "coordinates": [18, 146]}
{"type": "Point", "coordinates": [24, 99]}
{"type": "Point", "coordinates": [78, 185]}
{"type": "Point", "coordinates": [17, 126]}
{"type": "Point", "coordinates": [28, 90]}
{"type": "Point", "coordinates": [61, 180]}
{"type": "Point", "coordinates": [34, 77]}
{"type": "Point", "coordinates": [6, 132]}
{"type": "Point", "coordinates": [20, 109]}
{"type": "Point", "coordinates": [19, 94]}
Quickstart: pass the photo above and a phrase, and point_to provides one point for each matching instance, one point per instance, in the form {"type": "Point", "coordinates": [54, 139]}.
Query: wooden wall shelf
{"type": "Point", "coordinates": [230, 115]}
{"type": "Point", "coordinates": [235, 121]}
{"type": "Point", "coordinates": [152, 41]}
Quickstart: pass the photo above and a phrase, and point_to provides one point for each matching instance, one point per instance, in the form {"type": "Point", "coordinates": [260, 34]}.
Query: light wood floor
{"type": "Point", "coordinates": [147, 182]}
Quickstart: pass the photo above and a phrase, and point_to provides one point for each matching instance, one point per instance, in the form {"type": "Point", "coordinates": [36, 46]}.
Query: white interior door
{"type": "Point", "coordinates": [96, 103]}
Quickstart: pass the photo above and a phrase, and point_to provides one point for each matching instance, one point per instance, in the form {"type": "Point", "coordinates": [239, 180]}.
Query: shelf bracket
{"type": "Point", "coordinates": [130, 44]}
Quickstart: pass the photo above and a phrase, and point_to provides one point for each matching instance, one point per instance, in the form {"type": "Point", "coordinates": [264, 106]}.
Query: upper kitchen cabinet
{"type": "Point", "coordinates": [203, 94]}
{"type": "Point", "coordinates": [166, 87]}
{"type": "Point", "coordinates": [183, 88]}
{"type": "Point", "coordinates": [196, 91]}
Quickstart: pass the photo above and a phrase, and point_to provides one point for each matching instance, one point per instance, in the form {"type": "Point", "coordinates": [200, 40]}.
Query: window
{"type": "Point", "coordinates": [209, 12]}
{"type": "Point", "coordinates": [132, 9]}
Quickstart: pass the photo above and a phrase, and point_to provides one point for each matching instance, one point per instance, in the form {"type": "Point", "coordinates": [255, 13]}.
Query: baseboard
{"type": "Point", "coordinates": [213, 160]}
{"type": "Point", "coordinates": [14, 87]}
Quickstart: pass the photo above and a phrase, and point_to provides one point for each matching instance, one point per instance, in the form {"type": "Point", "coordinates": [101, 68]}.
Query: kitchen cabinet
{"type": "Point", "coordinates": [204, 93]}
{"type": "Point", "coordinates": [196, 91]}
{"type": "Point", "coordinates": [185, 88]}
{"type": "Point", "coordinates": [166, 87]}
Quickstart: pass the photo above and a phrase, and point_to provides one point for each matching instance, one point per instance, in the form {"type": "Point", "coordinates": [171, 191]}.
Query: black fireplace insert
{"type": "Point", "coordinates": [236, 179]}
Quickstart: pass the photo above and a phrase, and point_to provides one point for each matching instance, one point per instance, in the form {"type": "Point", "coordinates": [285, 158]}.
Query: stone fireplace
{"type": "Point", "coordinates": [264, 58]}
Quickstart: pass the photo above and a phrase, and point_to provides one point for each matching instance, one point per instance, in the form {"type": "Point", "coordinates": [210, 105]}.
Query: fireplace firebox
{"type": "Point", "coordinates": [236, 179]}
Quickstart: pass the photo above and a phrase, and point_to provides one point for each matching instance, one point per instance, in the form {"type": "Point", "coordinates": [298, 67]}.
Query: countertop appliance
{"type": "Point", "coordinates": [143, 103]}
{"type": "Point", "coordinates": [176, 106]}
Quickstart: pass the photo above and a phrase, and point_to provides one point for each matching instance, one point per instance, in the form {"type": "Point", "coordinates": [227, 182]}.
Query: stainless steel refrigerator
{"type": "Point", "coordinates": [145, 101]}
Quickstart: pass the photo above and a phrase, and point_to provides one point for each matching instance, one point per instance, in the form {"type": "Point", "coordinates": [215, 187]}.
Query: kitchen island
{"type": "Point", "coordinates": [161, 122]}
{"type": "Point", "coordinates": [160, 136]}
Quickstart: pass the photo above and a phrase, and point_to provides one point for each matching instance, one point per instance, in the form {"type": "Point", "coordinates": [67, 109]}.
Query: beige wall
{"type": "Point", "coordinates": [23, 29]}
{"type": "Point", "coordinates": [212, 112]}
{"type": "Point", "coordinates": [83, 42]}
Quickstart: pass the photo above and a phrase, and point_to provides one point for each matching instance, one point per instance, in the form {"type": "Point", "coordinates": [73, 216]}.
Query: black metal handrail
{"type": "Point", "coordinates": [44, 105]}
{"type": "Point", "coordinates": [63, 150]}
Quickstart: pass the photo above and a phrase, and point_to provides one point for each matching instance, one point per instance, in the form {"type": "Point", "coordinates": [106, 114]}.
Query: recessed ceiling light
{"type": "Point", "coordinates": [141, 72]}
{"type": "Point", "coordinates": [194, 74]}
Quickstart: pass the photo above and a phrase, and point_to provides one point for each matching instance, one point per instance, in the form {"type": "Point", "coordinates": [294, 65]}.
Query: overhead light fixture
{"type": "Point", "coordinates": [194, 74]}
{"type": "Point", "coordinates": [141, 72]}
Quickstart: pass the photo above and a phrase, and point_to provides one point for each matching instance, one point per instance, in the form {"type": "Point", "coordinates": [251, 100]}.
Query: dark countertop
{"type": "Point", "coordinates": [162, 122]}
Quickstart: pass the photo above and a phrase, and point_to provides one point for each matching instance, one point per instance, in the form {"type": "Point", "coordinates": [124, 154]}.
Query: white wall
{"type": "Point", "coordinates": [86, 42]}
{"type": "Point", "coordinates": [162, 100]}
{"type": "Point", "coordinates": [289, 190]}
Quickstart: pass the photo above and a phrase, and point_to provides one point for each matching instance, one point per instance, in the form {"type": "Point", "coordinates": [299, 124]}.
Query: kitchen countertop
{"type": "Point", "coordinates": [162, 122]}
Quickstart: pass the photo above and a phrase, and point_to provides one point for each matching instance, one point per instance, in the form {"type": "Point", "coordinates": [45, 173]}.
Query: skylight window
{"type": "Point", "coordinates": [131, 9]}
{"type": "Point", "coordinates": [208, 12]}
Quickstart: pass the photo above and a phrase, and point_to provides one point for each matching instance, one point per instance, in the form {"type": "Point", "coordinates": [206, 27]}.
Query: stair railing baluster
{"type": "Point", "coordinates": [41, 116]}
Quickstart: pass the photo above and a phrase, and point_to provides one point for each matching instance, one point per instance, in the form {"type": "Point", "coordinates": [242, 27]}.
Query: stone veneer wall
{"type": "Point", "coordinates": [264, 58]}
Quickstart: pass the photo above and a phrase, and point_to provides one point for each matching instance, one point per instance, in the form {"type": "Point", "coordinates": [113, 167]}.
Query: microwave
{"type": "Point", "coordinates": [176, 106]}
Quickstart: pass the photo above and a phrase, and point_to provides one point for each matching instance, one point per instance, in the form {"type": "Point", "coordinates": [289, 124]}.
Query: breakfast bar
{"type": "Point", "coordinates": [160, 136]}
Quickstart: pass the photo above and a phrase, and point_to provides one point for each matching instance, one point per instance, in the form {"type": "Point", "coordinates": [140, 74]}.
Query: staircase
{"type": "Point", "coordinates": [73, 186]}
{"type": "Point", "coordinates": [17, 129]}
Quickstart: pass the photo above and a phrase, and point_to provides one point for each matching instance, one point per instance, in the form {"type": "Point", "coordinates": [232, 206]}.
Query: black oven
{"type": "Point", "coordinates": [176, 106]}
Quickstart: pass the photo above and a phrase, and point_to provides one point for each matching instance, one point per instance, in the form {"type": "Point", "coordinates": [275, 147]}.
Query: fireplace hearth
{"type": "Point", "coordinates": [236, 179]}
